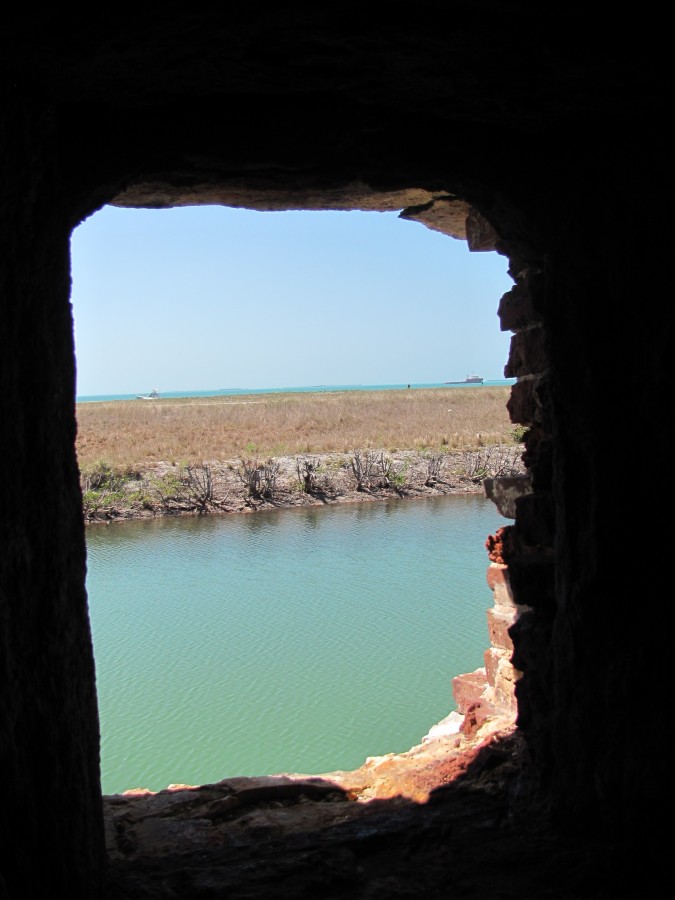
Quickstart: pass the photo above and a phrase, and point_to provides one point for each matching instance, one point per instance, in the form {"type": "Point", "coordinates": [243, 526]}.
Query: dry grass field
{"type": "Point", "coordinates": [226, 454]}
{"type": "Point", "coordinates": [134, 434]}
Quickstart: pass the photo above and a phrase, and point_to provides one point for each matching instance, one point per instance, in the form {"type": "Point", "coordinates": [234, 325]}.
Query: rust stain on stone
{"type": "Point", "coordinates": [500, 544]}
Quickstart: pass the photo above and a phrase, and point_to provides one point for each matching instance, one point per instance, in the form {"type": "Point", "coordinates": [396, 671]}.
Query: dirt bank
{"type": "Point", "coordinates": [228, 486]}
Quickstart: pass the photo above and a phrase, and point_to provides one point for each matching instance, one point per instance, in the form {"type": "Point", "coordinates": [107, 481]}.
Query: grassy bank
{"type": "Point", "coordinates": [225, 453]}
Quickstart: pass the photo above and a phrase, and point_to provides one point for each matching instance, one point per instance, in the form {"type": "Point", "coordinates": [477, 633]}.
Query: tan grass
{"type": "Point", "coordinates": [132, 434]}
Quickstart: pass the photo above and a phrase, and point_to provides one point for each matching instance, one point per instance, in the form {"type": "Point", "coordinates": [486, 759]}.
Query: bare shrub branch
{"type": "Point", "coordinates": [260, 480]}
{"type": "Point", "coordinates": [363, 465]}
{"type": "Point", "coordinates": [307, 472]}
{"type": "Point", "coordinates": [434, 468]}
{"type": "Point", "coordinates": [199, 484]}
{"type": "Point", "coordinates": [492, 462]}
{"type": "Point", "coordinates": [390, 473]}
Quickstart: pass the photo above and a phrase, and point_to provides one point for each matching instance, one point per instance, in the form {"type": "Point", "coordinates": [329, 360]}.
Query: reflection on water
{"type": "Point", "coordinates": [295, 640]}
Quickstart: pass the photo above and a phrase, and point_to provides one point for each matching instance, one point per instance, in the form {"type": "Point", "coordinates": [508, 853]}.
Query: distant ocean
{"type": "Point", "coordinates": [310, 389]}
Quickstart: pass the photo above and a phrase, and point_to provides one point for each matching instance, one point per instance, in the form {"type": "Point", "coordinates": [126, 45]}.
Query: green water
{"type": "Point", "coordinates": [287, 641]}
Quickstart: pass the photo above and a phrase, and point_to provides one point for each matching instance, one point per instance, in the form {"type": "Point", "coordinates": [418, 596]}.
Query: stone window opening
{"type": "Point", "coordinates": [485, 699]}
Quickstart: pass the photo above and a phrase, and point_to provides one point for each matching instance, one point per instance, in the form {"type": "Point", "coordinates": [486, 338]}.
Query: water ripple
{"type": "Point", "coordinates": [296, 640]}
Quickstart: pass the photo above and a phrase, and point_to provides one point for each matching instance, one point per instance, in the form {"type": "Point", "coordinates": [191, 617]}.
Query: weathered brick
{"type": "Point", "coordinates": [522, 404]}
{"type": "Point", "coordinates": [499, 584]}
{"type": "Point", "coordinates": [527, 354]}
{"type": "Point", "coordinates": [491, 659]}
{"type": "Point", "coordinates": [515, 309]}
{"type": "Point", "coordinates": [504, 492]}
{"type": "Point", "coordinates": [500, 620]}
{"type": "Point", "coordinates": [468, 688]}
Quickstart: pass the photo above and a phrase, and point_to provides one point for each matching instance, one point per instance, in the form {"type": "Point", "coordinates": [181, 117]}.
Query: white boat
{"type": "Point", "coordinates": [153, 395]}
{"type": "Point", "coordinates": [470, 379]}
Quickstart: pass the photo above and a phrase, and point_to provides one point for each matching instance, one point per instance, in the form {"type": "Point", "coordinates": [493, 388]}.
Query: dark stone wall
{"type": "Point", "coordinates": [589, 646]}
{"type": "Point", "coordinates": [49, 746]}
{"type": "Point", "coordinates": [607, 640]}
{"type": "Point", "coordinates": [551, 132]}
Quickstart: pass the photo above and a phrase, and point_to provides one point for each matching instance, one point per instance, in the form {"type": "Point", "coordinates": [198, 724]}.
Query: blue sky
{"type": "Point", "coordinates": [203, 298]}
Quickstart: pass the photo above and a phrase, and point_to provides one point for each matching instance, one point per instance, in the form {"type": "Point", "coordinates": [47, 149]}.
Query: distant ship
{"type": "Point", "coordinates": [470, 379]}
{"type": "Point", "coordinates": [153, 395]}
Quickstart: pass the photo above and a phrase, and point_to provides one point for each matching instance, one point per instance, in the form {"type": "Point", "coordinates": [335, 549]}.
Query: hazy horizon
{"type": "Point", "coordinates": [291, 388]}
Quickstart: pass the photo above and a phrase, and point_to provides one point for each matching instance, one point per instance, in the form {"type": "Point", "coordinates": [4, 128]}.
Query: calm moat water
{"type": "Point", "coordinates": [296, 640]}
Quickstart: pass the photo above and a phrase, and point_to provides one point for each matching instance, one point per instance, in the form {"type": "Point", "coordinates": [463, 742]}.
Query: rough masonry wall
{"type": "Point", "coordinates": [49, 739]}
{"type": "Point", "coordinates": [552, 132]}
{"type": "Point", "coordinates": [589, 645]}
